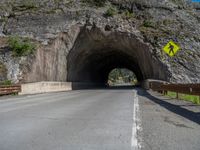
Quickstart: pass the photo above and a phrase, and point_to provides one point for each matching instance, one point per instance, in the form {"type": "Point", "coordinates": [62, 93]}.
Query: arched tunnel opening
{"type": "Point", "coordinates": [96, 53]}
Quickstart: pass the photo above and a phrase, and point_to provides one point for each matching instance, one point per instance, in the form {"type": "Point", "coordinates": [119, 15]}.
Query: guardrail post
{"type": "Point", "coordinates": [165, 92]}
{"type": "Point", "coordinates": [177, 95]}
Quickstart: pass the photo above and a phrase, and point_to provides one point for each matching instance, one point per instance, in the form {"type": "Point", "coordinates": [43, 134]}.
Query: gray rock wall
{"type": "Point", "coordinates": [57, 24]}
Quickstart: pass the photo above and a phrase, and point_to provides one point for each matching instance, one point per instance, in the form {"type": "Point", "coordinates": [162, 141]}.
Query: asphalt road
{"type": "Point", "coordinates": [98, 120]}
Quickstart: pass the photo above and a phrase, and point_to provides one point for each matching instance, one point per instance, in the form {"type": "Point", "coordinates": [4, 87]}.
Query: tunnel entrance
{"type": "Point", "coordinates": [97, 52]}
{"type": "Point", "coordinates": [119, 77]}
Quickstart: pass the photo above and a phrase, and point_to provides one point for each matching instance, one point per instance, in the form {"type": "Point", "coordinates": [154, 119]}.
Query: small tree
{"type": "Point", "coordinates": [110, 12]}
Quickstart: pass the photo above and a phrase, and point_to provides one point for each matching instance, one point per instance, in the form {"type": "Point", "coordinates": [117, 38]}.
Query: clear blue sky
{"type": "Point", "coordinates": [195, 0]}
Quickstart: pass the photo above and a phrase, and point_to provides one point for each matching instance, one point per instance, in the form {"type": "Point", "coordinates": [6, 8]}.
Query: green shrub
{"type": "Point", "coordinates": [6, 82]}
{"type": "Point", "coordinates": [110, 12]}
{"type": "Point", "coordinates": [98, 3]}
{"type": "Point", "coordinates": [21, 47]}
{"type": "Point", "coordinates": [149, 24]}
{"type": "Point", "coordinates": [128, 15]}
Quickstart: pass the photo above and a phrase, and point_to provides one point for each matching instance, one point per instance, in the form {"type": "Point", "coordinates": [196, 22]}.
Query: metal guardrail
{"type": "Point", "coordinates": [190, 89]}
{"type": "Point", "coordinates": [10, 89]}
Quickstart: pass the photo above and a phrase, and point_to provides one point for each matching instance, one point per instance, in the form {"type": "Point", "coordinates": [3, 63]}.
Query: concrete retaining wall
{"type": "Point", "coordinates": [45, 87]}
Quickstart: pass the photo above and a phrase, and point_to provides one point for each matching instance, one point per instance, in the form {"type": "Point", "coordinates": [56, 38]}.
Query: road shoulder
{"type": "Point", "coordinates": [168, 124]}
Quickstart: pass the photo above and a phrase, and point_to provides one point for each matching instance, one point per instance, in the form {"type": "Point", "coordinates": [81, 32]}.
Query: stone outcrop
{"type": "Point", "coordinates": [79, 42]}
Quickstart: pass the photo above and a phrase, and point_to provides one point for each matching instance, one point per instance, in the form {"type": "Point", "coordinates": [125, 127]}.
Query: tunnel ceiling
{"type": "Point", "coordinates": [96, 52]}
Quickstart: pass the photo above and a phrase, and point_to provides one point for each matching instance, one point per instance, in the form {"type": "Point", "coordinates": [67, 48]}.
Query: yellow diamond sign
{"type": "Point", "coordinates": [171, 48]}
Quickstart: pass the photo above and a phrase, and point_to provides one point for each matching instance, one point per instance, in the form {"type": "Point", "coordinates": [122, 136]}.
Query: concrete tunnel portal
{"type": "Point", "coordinates": [97, 52]}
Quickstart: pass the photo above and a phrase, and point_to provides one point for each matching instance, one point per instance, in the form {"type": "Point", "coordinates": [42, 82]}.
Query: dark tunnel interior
{"type": "Point", "coordinates": [96, 67]}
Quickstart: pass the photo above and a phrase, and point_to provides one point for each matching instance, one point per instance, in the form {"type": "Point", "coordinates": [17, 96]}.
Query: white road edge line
{"type": "Point", "coordinates": [134, 140]}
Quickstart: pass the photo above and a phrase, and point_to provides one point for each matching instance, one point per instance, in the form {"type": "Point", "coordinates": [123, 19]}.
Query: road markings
{"type": "Point", "coordinates": [134, 140]}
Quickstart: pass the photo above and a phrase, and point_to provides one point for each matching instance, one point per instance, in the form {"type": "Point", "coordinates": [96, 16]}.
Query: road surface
{"type": "Point", "coordinates": [98, 120]}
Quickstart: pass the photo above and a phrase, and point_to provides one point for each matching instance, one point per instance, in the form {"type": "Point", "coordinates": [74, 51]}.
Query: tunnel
{"type": "Point", "coordinates": [96, 52]}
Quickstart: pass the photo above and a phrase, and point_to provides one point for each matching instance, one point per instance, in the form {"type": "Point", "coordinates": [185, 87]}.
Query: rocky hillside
{"type": "Point", "coordinates": [53, 26]}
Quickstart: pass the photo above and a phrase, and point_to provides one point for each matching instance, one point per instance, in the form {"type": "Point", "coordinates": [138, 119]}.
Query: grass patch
{"type": "Point", "coordinates": [192, 98]}
{"type": "Point", "coordinates": [20, 46]}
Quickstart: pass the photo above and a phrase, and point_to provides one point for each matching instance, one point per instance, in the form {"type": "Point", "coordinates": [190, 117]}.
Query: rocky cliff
{"type": "Point", "coordinates": [67, 32]}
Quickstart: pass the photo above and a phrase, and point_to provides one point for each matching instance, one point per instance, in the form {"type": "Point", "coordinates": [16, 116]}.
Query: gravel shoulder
{"type": "Point", "coordinates": [168, 124]}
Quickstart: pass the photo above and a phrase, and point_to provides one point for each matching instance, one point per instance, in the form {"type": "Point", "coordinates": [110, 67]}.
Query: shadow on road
{"type": "Point", "coordinates": [190, 115]}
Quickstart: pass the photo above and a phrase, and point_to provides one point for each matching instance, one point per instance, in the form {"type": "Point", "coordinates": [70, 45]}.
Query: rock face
{"type": "Point", "coordinates": [3, 72]}
{"type": "Point", "coordinates": [80, 42]}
